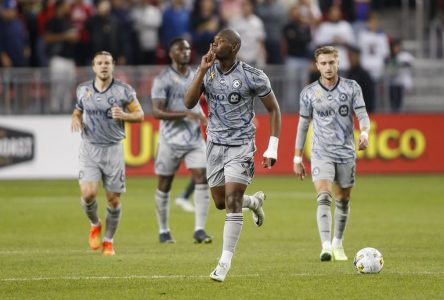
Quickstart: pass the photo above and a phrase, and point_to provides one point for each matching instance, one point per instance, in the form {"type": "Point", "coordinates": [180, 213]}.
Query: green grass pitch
{"type": "Point", "coordinates": [44, 253]}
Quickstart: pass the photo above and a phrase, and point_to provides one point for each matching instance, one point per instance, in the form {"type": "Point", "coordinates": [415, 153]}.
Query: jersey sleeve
{"type": "Point", "coordinates": [305, 107]}
{"type": "Point", "coordinates": [132, 103]}
{"type": "Point", "coordinates": [259, 82]}
{"type": "Point", "coordinates": [358, 98]}
{"type": "Point", "coordinates": [80, 93]}
{"type": "Point", "coordinates": [159, 90]}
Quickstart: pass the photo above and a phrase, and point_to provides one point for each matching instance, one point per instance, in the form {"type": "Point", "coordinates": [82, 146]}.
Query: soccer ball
{"type": "Point", "coordinates": [368, 261]}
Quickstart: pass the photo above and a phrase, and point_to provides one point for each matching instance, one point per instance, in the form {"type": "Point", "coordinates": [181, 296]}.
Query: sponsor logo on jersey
{"type": "Point", "coordinates": [16, 146]}
{"type": "Point", "coordinates": [234, 97]}
{"type": "Point", "coordinates": [343, 110]}
{"type": "Point", "coordinates": [325, 113]}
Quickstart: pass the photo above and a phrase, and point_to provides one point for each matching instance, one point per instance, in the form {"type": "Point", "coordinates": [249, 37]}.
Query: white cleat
{"type": "Point", "coordinates": [220, 272]}
{"type": "Point", "coordinates": [184, 204]}
{"type": "Point", "coordinates": [339, 254]}
{"type": "Point", "coordinates": [258, 213]}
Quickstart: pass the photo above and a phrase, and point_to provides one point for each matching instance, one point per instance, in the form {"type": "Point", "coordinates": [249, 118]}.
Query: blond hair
{"type": "Point", "coordinates": [325, 50]}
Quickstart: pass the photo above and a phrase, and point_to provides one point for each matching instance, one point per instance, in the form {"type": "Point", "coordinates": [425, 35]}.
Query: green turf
{"type": "Point", "coordinates": [44, 254]}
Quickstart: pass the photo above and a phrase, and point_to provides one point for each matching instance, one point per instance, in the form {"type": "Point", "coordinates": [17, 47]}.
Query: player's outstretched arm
{"type": "Point", "coordinates": [194, 91]}
{"type": "Point", "coordinates": [76, 121]}
{"type": "Point", "coordinates": [272, 106]}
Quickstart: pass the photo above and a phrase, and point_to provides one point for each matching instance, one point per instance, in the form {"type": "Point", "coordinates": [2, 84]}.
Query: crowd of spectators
{"type": "Point", "coordinates": [63, 34]}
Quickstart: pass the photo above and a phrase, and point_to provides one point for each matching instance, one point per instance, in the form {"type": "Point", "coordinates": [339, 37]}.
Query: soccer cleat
{"type": "Point", "coordinates": [258, 213]}
{"type": "Point", "coordinates": [339, 254]}
{"type": "Point", "coordinates": [94, 236]}
{"type": "Point", "coordinates": [184, 204]}
{"type": "Point", "coordinates": [326, 254]}
{"type": "Point", "coordinates": [165, 238]}
{"type": "Point", "coordinates": [201, 237]}
{"type": "Point", "coordinates": [220, 272]}
{"type": "Point", "coordinates": [107, 249]}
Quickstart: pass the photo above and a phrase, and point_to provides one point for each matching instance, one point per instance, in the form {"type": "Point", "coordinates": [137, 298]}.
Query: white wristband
{"type": "Point", "coordinates": [297, 159]}
{"type": "Point", "coordinates": [272, 149]}
{"type": "Point", "coordinates": [364, 134]}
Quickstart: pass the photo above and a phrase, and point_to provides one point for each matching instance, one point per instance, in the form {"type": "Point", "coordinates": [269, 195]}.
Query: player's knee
{"type": "Point", "coordinates": [200, 178]}
{"type": "Point", "coordinates": [219, 204]}
{"type": "Point", "coordinates": [234, 201]}
{"type": "Point", "coordinates": [88, 195]}
{"type": "Point", "coordinates": [324, 198]}
{"type": "Point", "coordinates": [113, 200]}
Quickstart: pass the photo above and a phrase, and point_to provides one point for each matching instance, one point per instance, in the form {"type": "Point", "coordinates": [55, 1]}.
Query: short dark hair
{"type": "Point", "coordinates": [174, 41]}
{"type": "Point", "coordinates": [102, 53]}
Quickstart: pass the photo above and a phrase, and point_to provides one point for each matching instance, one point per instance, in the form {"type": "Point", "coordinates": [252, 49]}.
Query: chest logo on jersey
{"type": "Point", "coordinates": [111, 100]}
{"type": "Point", "coordinates": [234, 97]}
{"type": "Point", "coordinates": [326, 113]}
{"type": "Point", "coordinates": [237, 84]}
{"type": "Point", "coordinates": [343, 110]}
{"type": "Point", "coordinates": [222, 81]}
{"type": "Point", "coordinates": [343, 97]}
{"type": "Point", "coordinates": [329, 97]}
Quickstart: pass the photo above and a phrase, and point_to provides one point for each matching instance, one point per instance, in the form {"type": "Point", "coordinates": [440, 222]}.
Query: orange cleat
{"type": "Point", "coordinates": [107, 249]}
{"type": "Point", "coordinates": [94, 236]}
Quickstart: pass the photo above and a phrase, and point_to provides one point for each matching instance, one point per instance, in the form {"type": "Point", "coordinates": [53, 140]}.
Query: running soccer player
{"type": "Point", "coordinates": [103, 105]}
{"type": "Point", "coordinates": [180, 139]}
{"type": "Point", "coordinates": [329, 103]}
{"type": "Point", "coordinates": [230, 87]}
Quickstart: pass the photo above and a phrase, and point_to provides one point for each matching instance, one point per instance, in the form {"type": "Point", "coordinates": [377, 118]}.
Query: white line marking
{"type": "Point", "coordinates": [147, 277]}
{"type": "Point", "coordinates": [157, 277]}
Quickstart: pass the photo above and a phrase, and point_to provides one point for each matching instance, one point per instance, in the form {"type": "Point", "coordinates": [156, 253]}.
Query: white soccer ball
{"type": "Point", "coordinates": [368, 261]}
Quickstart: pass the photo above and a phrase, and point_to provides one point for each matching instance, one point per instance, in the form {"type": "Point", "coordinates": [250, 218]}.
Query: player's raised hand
{"type": "Point", "coordinates": [208, 59]}
{"type": "Point", "coordinates": [117, 112]}
{"type": "Point", "coordinates": [299, 170]}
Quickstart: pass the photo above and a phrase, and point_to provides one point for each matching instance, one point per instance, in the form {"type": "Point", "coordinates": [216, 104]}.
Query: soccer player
{"type": "Point", "coordinates": [103, 105]}
{"type": "Point", "coordinates": [180, 139]}
{"type": "Point", "coordinates": [230, 87]}
{"type": "Point", "coordinates": [329, 103]}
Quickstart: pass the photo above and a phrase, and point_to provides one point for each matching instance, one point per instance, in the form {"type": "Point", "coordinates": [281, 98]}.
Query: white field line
{"type": "Point", "coordinates": [166, 277]}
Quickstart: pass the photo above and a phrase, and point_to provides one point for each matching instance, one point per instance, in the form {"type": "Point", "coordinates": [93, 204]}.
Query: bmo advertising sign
{"type": "Point", "coordinates": [397, 144]}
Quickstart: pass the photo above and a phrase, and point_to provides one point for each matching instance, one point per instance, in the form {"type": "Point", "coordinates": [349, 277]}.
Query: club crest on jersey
{"type": "Point", "coordinates": [343, 110]}
{"type": "Point", "coordinates": [111, 100]}
{"type": "Point", "coordinates": [237, 84]}
{"type": "Point", "coordinates": [234, 97]}
{"type": "Point", "coordinates": [343, 97]}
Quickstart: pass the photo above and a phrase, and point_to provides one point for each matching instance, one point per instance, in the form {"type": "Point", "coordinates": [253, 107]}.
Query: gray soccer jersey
{"type": "Point", "coordinates": [230, 99]}
{"type": "Point", "coordinates": [170, 87]}
{"type": "Point", "coordinates": [100, 128]}
{"type": "Point", "coordinates": [332, 115]}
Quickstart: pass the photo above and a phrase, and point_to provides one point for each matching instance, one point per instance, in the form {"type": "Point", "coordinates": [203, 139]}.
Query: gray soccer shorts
{"type": "Point", "coordinates": [106, 163]}
{"type": "Point", "coordinates": [230, 163]}
{"type": "Point", "coordinates": [168, 159]}
{"type": "Point", "coordinates": [343, 174]}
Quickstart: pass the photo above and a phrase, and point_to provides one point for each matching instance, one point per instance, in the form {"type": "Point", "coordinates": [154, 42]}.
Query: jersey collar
{"type": "Point", "coordinates": [329, 90]}
{"type": "Point", "coordinates": [229, 71]}
{"type": "Point", "coordinates": [97, 91]}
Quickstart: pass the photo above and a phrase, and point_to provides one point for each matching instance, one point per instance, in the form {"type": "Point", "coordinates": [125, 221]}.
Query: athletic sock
{"type": "Point", "coordinates": [232, 230]}
{"type": "Point", "coordinates": [112, 221]}
{"type": "Point", "coordinates": [90, 211]}
{"type": "Point", "coordinates": [342, 212]}
{"type": "Point", "coordinates": [188, 190]}
{"type": "Point", "coordinates": [323, 217]}
{"type": "Point", "coordinates": [201, 203]}
{"type": "Point", "coordinates": [162, 210]}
